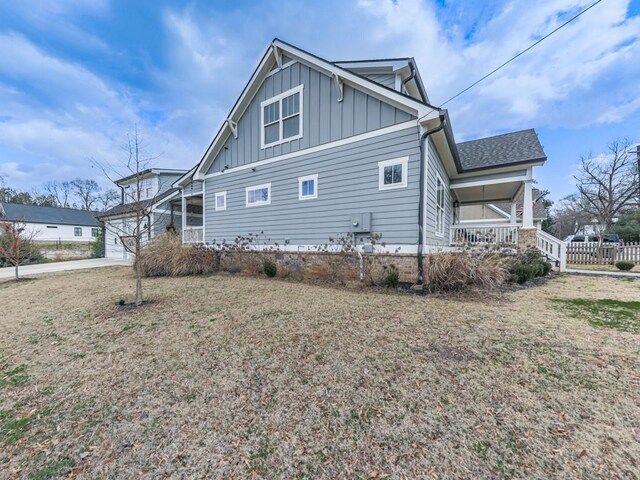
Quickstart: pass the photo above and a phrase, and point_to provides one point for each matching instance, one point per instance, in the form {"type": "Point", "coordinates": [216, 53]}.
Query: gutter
{"type": "Point", "coordinates": [421, 201]}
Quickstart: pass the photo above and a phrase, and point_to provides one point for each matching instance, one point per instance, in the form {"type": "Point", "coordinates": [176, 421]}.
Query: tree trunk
{"type": "Point", "coordinates": [139, 298]}
{"type": "Point", "coordinates": [17, 277]}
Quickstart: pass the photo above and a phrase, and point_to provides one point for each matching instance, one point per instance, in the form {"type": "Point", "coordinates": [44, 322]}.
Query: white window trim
{"type": "Point", "coordinates": [404, 161]}
{"type": "Point", "coordinates": [438, 207]}
{"type": "Point", "coordinates": [215, 203]}
{"type": "Point", "coordinates": [258, 187]}
{"type": "Point", "coordinates": [299, 89]}
{"type": "Point", "coordinates": [315, 187]}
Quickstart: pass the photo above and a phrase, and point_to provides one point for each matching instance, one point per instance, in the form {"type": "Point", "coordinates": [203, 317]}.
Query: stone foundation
{"type": "Point", "coordinates": [527, 238]}
{"type": "Point", "coordinates": [322, 264]}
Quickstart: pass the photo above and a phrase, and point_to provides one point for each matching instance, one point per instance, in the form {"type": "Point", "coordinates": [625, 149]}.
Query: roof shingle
{"type": "Point", "coordinates": [501, 150]}
{"type": "Point", "coordinates": [61, 216]}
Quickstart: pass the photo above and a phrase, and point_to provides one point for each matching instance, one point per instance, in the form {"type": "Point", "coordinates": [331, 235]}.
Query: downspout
{"type": "Point", "coordinates": [421, 201]}
{"type": "Point", "coordinates": [409, 78]}
{"type": "Point", "coordinates": [121, 194]}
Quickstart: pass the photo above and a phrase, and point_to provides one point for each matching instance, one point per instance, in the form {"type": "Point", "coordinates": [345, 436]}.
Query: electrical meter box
{"type": "Point", "coordinates": [360, 222]}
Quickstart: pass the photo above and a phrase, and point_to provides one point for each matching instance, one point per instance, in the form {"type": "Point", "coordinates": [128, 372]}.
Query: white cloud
{"type": "Point", "coordinates": [552, 84]}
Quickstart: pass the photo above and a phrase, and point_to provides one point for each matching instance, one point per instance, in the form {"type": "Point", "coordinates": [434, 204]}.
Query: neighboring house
{"type": "Point", "coordinates": [157, 202]}
{"type": "Point", "coordinates": [313, 149]}
{"type": "Point", "coordinates": [504, 213]}
{"type": "Point", "coordinates": [51, 224]}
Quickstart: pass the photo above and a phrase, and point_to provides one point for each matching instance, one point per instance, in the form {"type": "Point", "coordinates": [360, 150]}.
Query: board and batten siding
{"type": "Point", "coordinates": [347, 184]}
{"type": "Point", "coordinates": [324, 118]}
{"type": "Point", "coordinates": [434, 164]}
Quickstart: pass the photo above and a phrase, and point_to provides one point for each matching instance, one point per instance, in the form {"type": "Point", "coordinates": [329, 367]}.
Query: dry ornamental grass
{"type": "Point", "coordinates": [234, 377]}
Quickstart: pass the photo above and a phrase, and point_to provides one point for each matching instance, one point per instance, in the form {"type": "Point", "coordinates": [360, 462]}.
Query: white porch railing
{"type": "Point", "coordinates": [553, 248]}
{"type": "Point", "coordinates": [477, 234]}
{"type": "Point", "coordinates": [192, 235]}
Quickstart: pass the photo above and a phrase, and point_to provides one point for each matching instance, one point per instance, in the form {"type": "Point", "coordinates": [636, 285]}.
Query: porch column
{"type": "Point", "coordinates": [183, 216]}
{"type": "Point", "coordinates": [514, 213]}
{"type": "Point", "coordinates": [527, 207]}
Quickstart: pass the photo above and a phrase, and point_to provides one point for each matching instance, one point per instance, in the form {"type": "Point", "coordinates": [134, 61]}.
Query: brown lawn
{"type": "Point", "coordinates": [232, 377]}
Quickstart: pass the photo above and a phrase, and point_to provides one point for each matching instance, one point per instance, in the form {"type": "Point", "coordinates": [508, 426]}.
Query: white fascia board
{"type": "Point", "coordinates": [368, 86]}
{"type": "Point", "coordinates": [185, 179]}
{"type": "Point", "coordinates": [485, 180]}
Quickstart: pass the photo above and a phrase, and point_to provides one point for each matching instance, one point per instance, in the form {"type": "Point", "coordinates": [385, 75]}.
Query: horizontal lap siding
{"type": "Point", "coordinates": [324, 118]}
{"type": "Point", "coordinates": [386, 79]}
{"type": "Point", "coordinates": [434, 163]}
{"type": "Point", "coordinates": [347, 184]}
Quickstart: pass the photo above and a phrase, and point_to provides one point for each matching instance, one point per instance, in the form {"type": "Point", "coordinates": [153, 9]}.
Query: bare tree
{"type": "Point", "coordinates": [108, 199]}
{"type": "Point", "coordinates": [608, 184]}
{"type": "Point", "coordinates": [16, 243]}
{"type": "Point", "coordinates": [61, 191]}
{"type": "Point", "coordinates": [569, 215]}
{"type": "Point", "coordinates": [133, 234]}
{"type": "Point", "coordinates": [87, 192]}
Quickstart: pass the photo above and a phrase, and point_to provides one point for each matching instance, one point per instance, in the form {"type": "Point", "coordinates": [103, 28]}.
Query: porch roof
{"type": "Point", "coordinates": [509, 149]}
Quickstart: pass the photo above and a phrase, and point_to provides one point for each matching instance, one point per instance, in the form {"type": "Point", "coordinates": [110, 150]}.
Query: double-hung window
{"type": "Point", "coordinates": [281, 118]}
{"type": "Point", "coordinates": [308, 187]}
{"type": "Point", "coordinates": [95, 232]}
{"type": "Point", "coordinates": [221, 201]}
{"type": "Point", "coordinates": [258, 195]}
{"type": "Point", "coordinates": [393, 173]}
{"type": "Point", "coordinates": [77, 231]}
{"type": "Point", "coordinates": [440, 205]}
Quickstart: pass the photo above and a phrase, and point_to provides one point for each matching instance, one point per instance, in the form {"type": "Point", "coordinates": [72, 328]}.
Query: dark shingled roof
{"type": "Point", "coordinates": [61, 216]}
{"type": "Point", "coordinates": [501, 150]}
{"type": "Point", "coordinates": [123, 209]}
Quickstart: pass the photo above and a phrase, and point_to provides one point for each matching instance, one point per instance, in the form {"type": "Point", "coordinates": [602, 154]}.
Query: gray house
{"type": "Point", "coordinates": [152, 194]}
{"type": "Point", "coordinates": [313, 149]}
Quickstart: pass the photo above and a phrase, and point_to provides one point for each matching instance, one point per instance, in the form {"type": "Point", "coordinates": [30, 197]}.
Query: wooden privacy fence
{"type": "Point", "coordinates": [607, 254]}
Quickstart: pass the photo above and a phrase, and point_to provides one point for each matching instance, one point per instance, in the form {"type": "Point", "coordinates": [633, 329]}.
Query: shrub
{"type": "Point", "coordinates": [269, 268]}
{"type": "Point", "coordinates": [525, 266]}
{"type": "Point", "coordinates": [391, 278]}
{"type": "Point", "coordinates": [166, 256]}
{"type": "Point", "coordinates": [624, 265]}
{"type": "Point", "coordinates": [460, 271]}
{"type": "Point", "coordinates": [97, 245]}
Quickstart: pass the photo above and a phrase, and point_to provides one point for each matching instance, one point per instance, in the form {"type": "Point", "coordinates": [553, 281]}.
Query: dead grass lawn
{"type": "Point", "coordinates": [231, 377]}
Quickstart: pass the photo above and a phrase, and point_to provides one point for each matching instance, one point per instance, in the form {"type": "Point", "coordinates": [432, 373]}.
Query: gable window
{"type": "Point", "coordinates": [308, 187]}
{"type": "Point", "coordinates": [95, 232]}
{"type": "Point", "coordinates": [221, 201]}
{"type": "Point", "coordinates": [393, 173]}
{"type": "Point", "coordinates": [77, 231]}
{"type": "Point", "coordinates": [440, 202]}
{"type": "Point", "coordinates": [258, 195]}
{"type": "Point", "coordinates": [281, 118]}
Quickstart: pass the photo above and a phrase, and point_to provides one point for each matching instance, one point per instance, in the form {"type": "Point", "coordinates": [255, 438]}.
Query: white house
{"type": "Point", "coordinates": [51, 224]}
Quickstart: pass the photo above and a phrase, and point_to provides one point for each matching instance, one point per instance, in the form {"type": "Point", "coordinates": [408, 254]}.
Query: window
{"type": "Point", "coordinates": [393, 173]}
{"type": "Point", "coordinates": [440, 202]}
{"type": "Point", "coordinates": [259, 195]}
{"type": "Point", "coordinates": [281, 118]}
{"type": "Point", "coordinates": [77, 231]}
{"type": "Point", "coordinates": [221, 201]}
{"type": "Point", "coordinates": [95, 232]}
{"type": "Point", "coordinates": [308, 187]}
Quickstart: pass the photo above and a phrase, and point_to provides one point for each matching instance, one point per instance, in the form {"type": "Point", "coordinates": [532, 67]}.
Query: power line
{"type": "Point", "coordinates": [522, 52]}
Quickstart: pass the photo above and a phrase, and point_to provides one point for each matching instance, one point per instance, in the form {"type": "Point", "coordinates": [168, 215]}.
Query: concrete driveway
{"type": "Point", "coordinates": [29, 270]}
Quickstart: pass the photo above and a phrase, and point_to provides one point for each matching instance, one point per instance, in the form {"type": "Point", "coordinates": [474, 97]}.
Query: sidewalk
{"type": "Point", "coordinates": [28, 270]}
{"type": "Point", "coordinates": [603, 273]}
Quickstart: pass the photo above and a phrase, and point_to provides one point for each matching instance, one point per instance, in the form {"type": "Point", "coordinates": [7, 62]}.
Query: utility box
{"type": "Point", "coordinates": [360, 222]}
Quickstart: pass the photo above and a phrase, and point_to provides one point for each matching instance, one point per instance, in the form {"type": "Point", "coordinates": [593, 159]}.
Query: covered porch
{"type": "Point", "coordinates": [192, 206]}
{"type": "Point", "coordinates": [519, 232]}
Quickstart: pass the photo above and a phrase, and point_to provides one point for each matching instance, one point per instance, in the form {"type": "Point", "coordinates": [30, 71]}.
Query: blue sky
{"type": "Point", "coordinates": [75, 76]}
